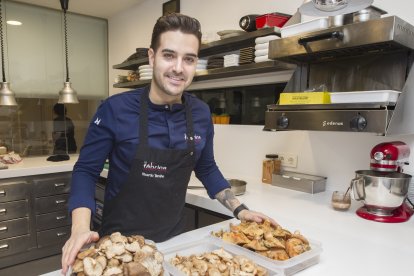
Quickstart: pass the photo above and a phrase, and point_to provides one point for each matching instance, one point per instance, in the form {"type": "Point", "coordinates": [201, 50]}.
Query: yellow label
{"type": "Point", "coordinates": [305, 98]}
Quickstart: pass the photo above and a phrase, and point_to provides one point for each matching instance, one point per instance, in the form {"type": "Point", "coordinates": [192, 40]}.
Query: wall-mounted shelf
{"type": "Point", "coordinates": [215, 47]}
{"type": "Point", "coordinates": [226, 72]}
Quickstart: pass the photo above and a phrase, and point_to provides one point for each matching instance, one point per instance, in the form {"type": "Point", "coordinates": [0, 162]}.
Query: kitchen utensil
{"type": "Point", "coordinates": [332, 7]}
{"type": "Point", "coordinates": [368, 13]}
{"type": "Point", "coordinates": [248, 22]}
{"type": "Point", "coordinates": [384, 188]}
{"type": "Point", "coordinates": [238, 187]}
{"type": "Point", "coordinates": [381, 192]}
{"type": "Point", "coordinates": [341, 201]}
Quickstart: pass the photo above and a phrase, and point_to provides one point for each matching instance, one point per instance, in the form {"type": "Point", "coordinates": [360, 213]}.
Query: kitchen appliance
{"type": "Point", "coordinates": [248, 22]}
{"type": "Point", "coordinates": [375, 55]}
{"type": "Point", "coordinates": [384, 188]}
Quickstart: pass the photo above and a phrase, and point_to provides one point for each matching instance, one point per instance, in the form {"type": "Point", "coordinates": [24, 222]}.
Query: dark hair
{"type": "Point", "coordinates": [59, 109]}
{"type": "Point", "coordinates": [175, 22]}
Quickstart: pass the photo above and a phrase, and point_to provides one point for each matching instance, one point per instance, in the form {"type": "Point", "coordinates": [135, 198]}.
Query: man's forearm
{"type": "Point", "coordinates": [81, 219]}
{"type": "Point", "coordinates": [228, 199]}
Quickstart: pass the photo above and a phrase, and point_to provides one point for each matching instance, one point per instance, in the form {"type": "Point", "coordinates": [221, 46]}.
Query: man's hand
{"type": "Point", "coordinates": [80, 235]}
{"type": "Point", "coordinates": [73, 245]}
{"type": "Point", "coordinates": [250, 215]}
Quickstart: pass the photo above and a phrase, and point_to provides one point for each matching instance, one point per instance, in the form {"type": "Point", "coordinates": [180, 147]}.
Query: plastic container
{"type": "Point", "coordinates": [309, 26]}
{"type": "Point", "coordinates": [207, 245]}
{"type": "Point", "coordinates": [377, 96]}
{"type": "Point", "coordinates": [288, 267]}
{"type": "Point", "coordinates": [271, 20]}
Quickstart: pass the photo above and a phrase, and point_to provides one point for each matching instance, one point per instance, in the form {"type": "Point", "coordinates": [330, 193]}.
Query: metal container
{"type": "Point", "coordinates": [340, 19]}
{"type": "Point", "coordinates": [381, 192]}
{"type": "Point", "coordinates": [238, 187]}
{"type": "Point", "coordinates": [367, 14]}
{"type": "Point", "coordinates": [300, 182]}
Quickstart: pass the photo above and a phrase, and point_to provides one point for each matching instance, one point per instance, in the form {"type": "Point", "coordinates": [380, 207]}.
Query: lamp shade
{"type": "Point", "coordinates": [68, 95]}
{"type": "Point", "coordinates": [6, 95]}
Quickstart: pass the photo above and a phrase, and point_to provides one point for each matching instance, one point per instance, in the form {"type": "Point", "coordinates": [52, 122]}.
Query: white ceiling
{"type": "Point", "coordinates": [98, 8]}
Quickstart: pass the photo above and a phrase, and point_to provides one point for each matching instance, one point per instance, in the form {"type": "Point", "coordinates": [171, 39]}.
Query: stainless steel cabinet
{"type": "Point", "coordinates": [34, 221]}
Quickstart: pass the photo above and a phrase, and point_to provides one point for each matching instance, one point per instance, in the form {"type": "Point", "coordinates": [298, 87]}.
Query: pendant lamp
{"type": "Point", "coordinates": [6, 95]}
{"type": "Point", "coordinates": [67, 95]}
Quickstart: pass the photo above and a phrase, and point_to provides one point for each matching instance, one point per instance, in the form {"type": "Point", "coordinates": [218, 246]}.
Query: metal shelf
{"type": "Point", "coordinates": [226, 72]}
{"type": "Point", "coordinates": [215, 47]}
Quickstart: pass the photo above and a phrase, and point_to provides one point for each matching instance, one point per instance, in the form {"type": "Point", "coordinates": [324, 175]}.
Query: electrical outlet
{"type": "Point", "coordinates": [288, 160]}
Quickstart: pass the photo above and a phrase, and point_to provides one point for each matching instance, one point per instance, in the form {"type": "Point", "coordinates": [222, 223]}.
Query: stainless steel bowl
{"type": "Point", "coordinates": [381, 192]}
{"type": "Point", "coordinates": [238, 187]}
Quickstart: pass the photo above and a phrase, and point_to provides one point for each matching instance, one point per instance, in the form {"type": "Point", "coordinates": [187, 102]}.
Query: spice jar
{"type": "Point", "coordinates": [276, 162]}
{"type": "Point", "coordinates": [270, 166]}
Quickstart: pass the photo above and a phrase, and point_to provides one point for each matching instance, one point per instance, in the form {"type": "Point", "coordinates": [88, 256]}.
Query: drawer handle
{"type": "Point", "coordinates": [2, 193]}
{"type": "Point", "coordinates": [60, 201]}
{"type": "Point", "coordinates": [60, 217]}
{"type": "Point", "coordinates": [4, 246]}
{"type": "Point", "coordinates": [57, 185]}
{"type": "Point", "coordinates": [3, 229]}
{"type": "Point", "coordinates": [60, 234]}
{"type": "Point", "coordinates": [3, 211]}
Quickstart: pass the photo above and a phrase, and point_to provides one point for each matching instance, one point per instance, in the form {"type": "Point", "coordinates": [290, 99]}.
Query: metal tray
{"type": "Point", "coordinates": [207, 245]}
{"type": "Point", "coordinates": [290, 266]}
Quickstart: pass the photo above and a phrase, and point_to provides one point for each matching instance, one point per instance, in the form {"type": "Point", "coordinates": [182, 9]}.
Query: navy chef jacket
{"type": "Point", "coordinates": [114, 134]}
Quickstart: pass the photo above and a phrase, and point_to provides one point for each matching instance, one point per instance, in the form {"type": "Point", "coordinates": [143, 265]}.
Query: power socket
{"type": "Point", "coordinates": [288, 160]}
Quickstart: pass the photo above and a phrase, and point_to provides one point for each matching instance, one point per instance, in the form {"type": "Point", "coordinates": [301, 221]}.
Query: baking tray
{"type": "Point", "coordinates": [304, 27]}
{"type": "Point", "coordinates": [376, 96]}
{"type": "Point", "coordinates": [288, 267]}
{"type": "Point", "coordinates": [209, 244]}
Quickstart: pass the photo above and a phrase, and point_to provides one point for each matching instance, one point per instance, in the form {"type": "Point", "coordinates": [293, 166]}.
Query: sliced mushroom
{"type": "Point", "coordinates": [91, 267]}
{"type": "Point", "coordinates": [118, 238]}
{"type": "Point", "coordinates": [87, 253]}
{"type": "Point", "coordinates": [113, 270]}
{"type": "Point", "coordinates": [136, 269]}
{"type": "Point", "coordinates": [77, 266]}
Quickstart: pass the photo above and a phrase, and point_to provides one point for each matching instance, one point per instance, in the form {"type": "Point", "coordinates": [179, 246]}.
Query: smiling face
{"type": "Point", "coordinates": [174, 64]}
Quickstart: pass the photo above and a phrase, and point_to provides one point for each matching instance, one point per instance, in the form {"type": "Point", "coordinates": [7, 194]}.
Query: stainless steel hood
{"type": "Point", "coordinates": [373, 55]}
{"type": "Point", "coordinates": [370, 37]}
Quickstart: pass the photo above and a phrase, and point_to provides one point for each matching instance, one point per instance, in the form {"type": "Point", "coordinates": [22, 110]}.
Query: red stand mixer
{"type": "Point", "coordinates": [384, 188]}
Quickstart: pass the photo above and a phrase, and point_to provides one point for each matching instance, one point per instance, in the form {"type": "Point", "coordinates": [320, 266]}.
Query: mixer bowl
{"type": "Point", "coordinates": [381, 192]}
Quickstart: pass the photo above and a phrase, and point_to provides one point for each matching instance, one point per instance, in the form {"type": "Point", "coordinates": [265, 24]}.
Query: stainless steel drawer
{"type": "Point", "coordinates": [53, 236]}
{"type": "Point", "coordinates": [14, 227]}
{"type": "Point", "coordinates": [14, 209]}
{"type": "Point", "coordinates": [14, 245]}
{"type": "Point", "coordinates": [51, 203]}
{"type": "Point", "coordinates": [52, 220]}
{"type": "Point", "coordinates": [13, 190]}
{"type": "Point", "coordinates": [52, 185]}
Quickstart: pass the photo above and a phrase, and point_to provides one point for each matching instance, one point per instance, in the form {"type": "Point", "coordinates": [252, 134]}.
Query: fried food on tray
{"type": "Point", "coordinates": [265, 239]}
{"type": "Point", "coordinates": [217, 262]}
{"type": "Point", "coordinates": [119, 255]}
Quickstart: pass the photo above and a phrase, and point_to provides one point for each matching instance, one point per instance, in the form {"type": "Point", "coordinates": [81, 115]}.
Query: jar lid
{"type": "Point", "coordinates": [272, 156]}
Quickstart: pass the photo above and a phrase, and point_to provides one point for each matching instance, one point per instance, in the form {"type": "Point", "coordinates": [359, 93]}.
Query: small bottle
{"type": "Point", "coordinates": [276, 162]}
{"type": "Point", "coordinates": [267, 171]}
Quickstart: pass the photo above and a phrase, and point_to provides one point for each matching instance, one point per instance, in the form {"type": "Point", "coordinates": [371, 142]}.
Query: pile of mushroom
{"type": "Point", "coordinates": [216, 263]}
{"type": "Point", "coordinates": [119, 255]}
{"type": "Point", "coordinates": [266, 239]}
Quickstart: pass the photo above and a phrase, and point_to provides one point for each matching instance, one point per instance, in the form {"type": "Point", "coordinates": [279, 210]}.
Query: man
{"type": "Point", "coordinates": [63, 131]}
{"type": "Point", "coordinates": [154, 138]}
